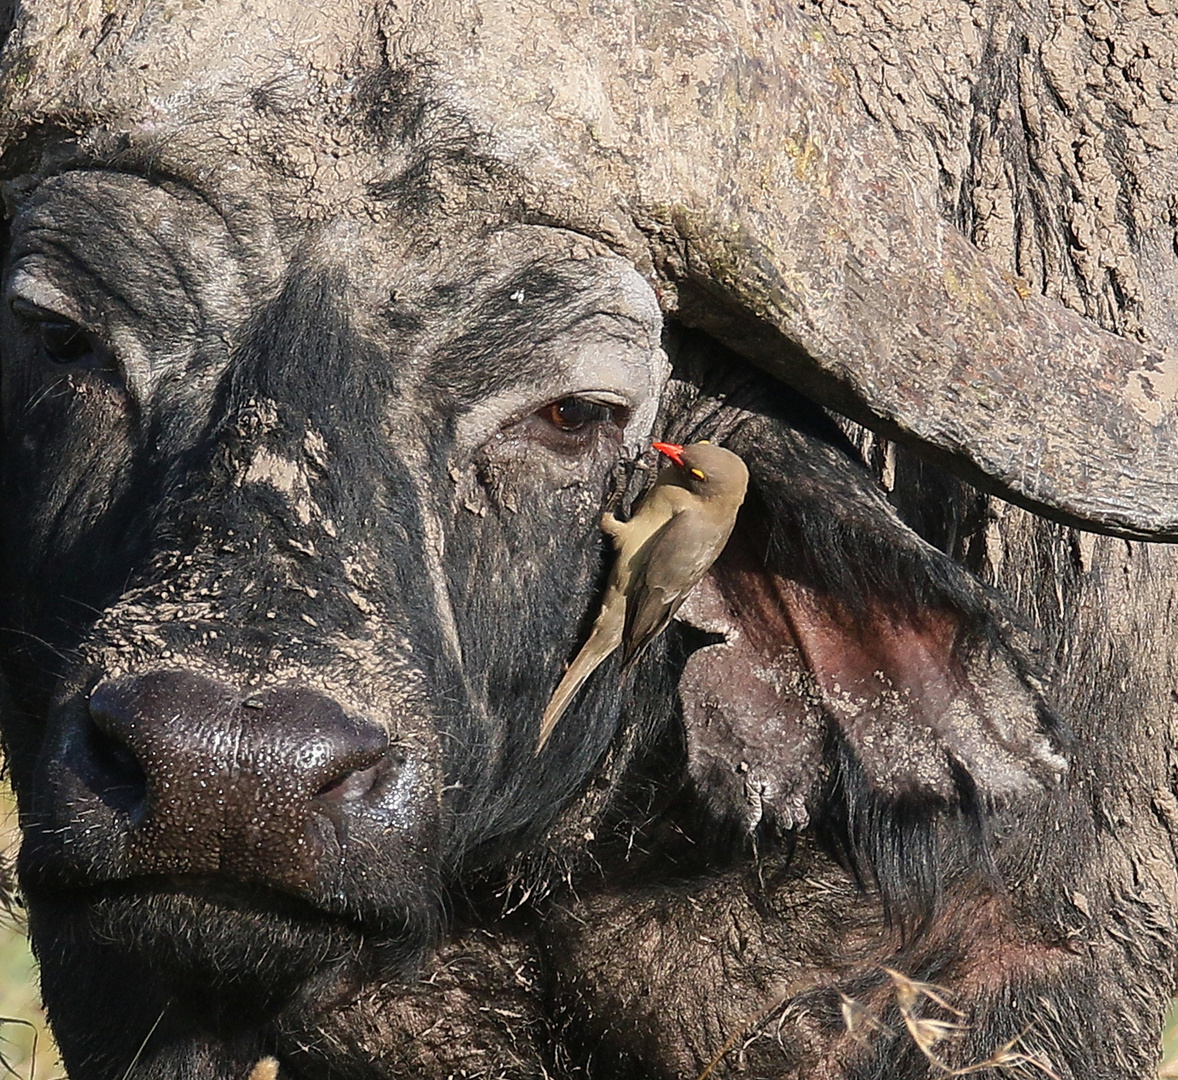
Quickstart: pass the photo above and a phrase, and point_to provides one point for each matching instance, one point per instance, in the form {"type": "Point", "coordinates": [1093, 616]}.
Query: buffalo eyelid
{"type": "Point", "coordinates": [575, 412]}
{"type": "Point", "coordinates": [63, 340]}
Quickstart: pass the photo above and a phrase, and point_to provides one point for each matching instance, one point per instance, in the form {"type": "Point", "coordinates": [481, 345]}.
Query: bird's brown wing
{"type": "Point", "coordinates": [668, 567]}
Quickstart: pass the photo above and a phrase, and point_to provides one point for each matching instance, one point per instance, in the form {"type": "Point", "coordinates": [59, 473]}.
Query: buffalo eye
{"type": "Point", "coordinates": [572, 414]}
{"type": "Point", "coordinates": [572, 427]}
{"type": "Point", "coordinates": [63, 342]}
{"type": "Point", "coordinates": [575, 424]}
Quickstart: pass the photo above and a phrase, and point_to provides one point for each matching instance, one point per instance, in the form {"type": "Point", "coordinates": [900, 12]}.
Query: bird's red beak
{"type": "Point", "coordinates": [672, 450]}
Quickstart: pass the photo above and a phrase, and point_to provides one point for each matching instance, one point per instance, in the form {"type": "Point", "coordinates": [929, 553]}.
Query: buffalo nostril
{"type": "Point", "coordinates": [110, 768]}
{"type": "Point", "coordinates": [214, 781]}
{"type": "Point", "coordinates": [349, 787]}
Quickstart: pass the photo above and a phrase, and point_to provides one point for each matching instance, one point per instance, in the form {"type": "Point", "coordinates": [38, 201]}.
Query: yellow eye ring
{"type": "Point", "coordinates": [699, 474]}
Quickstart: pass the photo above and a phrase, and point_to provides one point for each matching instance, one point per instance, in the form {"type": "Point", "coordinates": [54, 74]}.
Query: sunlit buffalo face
{"type": "Point", "coordinates": [328, 335]}
{"type": "Point", "coordinates": [292, 562]}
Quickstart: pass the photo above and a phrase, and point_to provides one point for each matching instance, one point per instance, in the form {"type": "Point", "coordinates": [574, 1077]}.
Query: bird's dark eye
{"type": "Point", "coordinates": [574, 413]}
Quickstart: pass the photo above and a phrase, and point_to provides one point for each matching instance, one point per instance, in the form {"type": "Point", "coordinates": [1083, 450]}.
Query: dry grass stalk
{"type": "Point", "coordinates": [266, 1069]}
{"type": "Point", "coordinates": [8, 1069]}
{"type": "Point", "coordinates": [928, 1032]}
{"type": "Point", "coordinates": [860, 1022]}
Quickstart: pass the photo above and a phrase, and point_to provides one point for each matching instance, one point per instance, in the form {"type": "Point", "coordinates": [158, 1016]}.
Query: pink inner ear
{"type": "Point", "coordinates": [912, 708]}
{"type": "Point", "coordinates": [857, 659]}
{"type": "Point", "coordinates": [854, 656]}
{"type": "Point", "coordinates": [891, 682]}
{"type": "Point", "coordinates": [876, 651]}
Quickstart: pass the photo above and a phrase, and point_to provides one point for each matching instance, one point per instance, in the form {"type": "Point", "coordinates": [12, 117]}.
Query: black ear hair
{"type": "Point", "coordinates": [7, 19]}
{"type": "Point", "coordinates": [5, 233]}
{"type": "Point", "coordinates": [860, 682]}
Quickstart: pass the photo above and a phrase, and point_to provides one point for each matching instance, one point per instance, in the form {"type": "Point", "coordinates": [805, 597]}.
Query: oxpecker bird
{"type": "Point", "coordinates": [676, 532]}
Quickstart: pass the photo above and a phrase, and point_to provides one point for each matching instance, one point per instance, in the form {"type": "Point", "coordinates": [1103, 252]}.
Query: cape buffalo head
{"type": "Point", "coordinates": [320, 365]}
{"type": "Point", "coordinates": [334, 538]}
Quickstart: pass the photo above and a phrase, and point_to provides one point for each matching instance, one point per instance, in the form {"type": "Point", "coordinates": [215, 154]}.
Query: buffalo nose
{"type": "Point", "coordinates": [214, 781]}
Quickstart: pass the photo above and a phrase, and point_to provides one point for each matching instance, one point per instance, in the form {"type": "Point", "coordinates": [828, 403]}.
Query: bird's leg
{"type": "Point", "coordinates": [621, 483]}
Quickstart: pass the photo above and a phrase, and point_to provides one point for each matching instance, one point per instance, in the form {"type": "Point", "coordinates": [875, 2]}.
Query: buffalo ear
{"type": "Point", "coordinates": [856, 674]}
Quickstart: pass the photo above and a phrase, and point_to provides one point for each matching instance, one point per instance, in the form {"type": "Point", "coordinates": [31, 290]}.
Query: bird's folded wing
{"type": "Point", "coordinates": [667, 568]}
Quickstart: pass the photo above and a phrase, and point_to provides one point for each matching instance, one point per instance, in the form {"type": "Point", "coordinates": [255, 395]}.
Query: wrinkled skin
{"type": "Point", "coordinates": [311, 407]}
{"type": "Point", "coordinates": [394, 524]}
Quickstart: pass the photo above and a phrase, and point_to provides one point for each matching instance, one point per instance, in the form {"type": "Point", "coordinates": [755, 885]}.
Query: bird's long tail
{"type": "Point", "coordinates": [605, 638]}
